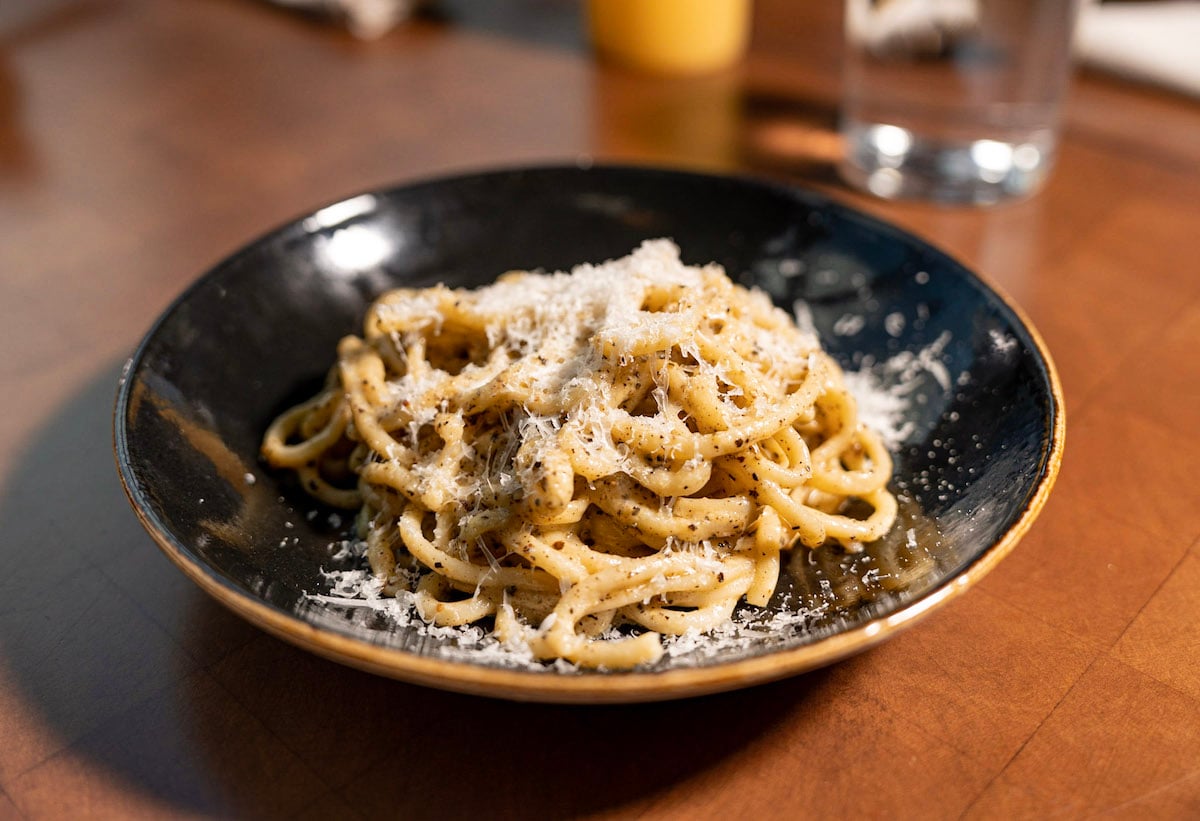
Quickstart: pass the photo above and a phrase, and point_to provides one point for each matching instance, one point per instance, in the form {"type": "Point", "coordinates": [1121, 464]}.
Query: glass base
{"type": "Point", "coordinates": [896, 163]}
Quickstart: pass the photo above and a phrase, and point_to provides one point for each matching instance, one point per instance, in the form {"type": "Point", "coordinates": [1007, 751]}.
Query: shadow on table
{"type": "Point", "coordinates": [123, 663]}
{"type": "Point", "coordinates": [395, 750]}
{"type": "Point", "coordinates": [93, 629]}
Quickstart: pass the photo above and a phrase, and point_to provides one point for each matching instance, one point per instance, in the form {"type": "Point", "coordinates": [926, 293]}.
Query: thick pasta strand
{"type": "Point", "coordinates": [590, 460]}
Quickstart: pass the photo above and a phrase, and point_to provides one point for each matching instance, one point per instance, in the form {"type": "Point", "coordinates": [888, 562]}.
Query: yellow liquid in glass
{"type": "Point", "coordinates": [671, 36]}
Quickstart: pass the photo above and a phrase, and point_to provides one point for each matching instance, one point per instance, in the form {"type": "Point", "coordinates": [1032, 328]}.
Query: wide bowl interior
{"type": "Point", "coordinates": [983, 420]}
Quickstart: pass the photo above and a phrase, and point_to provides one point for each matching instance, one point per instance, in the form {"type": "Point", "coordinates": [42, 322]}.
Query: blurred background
{"type": "Point", "coordinates": [141, 141]}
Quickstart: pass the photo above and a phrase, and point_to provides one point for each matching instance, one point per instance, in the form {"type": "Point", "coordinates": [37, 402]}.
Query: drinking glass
{"type": "Point", "coordinates": [954, 101]}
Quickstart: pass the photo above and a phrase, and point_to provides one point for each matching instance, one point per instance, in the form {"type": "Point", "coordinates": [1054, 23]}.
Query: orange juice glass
{"type": "Point", "coordinates": [671, 36]}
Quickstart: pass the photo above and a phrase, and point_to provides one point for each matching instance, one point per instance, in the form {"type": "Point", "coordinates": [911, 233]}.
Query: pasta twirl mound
{"type": "Point", "coordinates": [590, 459]}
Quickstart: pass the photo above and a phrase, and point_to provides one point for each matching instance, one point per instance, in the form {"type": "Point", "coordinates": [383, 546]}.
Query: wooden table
{"type": "Point", "coordinates": [141, 141]}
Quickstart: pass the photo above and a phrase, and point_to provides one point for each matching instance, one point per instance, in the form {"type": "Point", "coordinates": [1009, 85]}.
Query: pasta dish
{"type": "Point", "coordinates": [590, 460]}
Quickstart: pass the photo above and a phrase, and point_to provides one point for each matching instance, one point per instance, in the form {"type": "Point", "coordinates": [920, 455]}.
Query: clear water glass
{"type": "Point", "coordinates": [955, 101]}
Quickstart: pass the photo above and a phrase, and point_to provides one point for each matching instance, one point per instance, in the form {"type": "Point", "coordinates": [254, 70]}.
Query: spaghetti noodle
{"type": "Point", "coordinates": [590, 459]}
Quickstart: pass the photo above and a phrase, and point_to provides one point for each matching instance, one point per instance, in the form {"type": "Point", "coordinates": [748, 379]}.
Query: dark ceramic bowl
{"type": "Point", "coordinates": [983, 418]}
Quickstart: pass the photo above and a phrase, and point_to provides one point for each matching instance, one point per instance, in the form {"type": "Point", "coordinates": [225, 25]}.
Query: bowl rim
{"type": "Point", "coordinates": [606, 686]}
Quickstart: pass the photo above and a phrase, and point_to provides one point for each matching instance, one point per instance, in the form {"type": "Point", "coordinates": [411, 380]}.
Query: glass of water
{"type": "Point", "coordinates": [954, 101]}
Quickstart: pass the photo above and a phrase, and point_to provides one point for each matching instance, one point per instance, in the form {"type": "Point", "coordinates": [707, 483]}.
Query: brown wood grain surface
{"type": "Point", "coordinates": [142, 140]}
